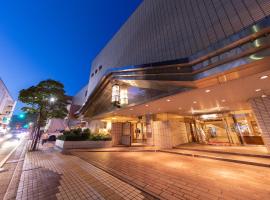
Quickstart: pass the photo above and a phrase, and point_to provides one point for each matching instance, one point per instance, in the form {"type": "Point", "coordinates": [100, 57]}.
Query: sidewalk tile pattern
{"type": "Point", "coordinates": [172, 176]}
{"type": "Point", "coordinates": [52, 175]}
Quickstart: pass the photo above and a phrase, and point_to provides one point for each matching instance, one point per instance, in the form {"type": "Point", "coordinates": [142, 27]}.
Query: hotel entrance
{"type": "Point", "coordinates": [213, 129]}
{"type": "Point", "coordinates": [139, 134]}
{"type": "Point", "coordinates": [232, 128]}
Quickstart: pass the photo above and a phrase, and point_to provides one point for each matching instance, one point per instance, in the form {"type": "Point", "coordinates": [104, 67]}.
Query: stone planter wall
{"type": "Point", "coordinates": [82, 144]}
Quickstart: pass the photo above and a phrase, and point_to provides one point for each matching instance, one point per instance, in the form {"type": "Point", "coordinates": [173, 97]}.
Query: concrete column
{"type": "Point", "coordinates": [149, 134]}
{"type": "Point", "coordinates": [168, 134]}
{"type": "Point", "coordinates": [116, 132]}
{"type": "Point", "coordinates": [261, 109]}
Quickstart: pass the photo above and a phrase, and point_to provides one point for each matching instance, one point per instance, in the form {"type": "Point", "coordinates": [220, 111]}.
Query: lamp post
{"type": "Point", "coordinates": [52, 99]}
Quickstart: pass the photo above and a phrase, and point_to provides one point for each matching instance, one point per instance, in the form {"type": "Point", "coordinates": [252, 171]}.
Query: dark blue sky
{"type": "Point", "coordinates": [56, 39]}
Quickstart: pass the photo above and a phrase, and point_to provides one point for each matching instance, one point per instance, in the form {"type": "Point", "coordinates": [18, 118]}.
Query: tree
{"type": "Point", "coordinates": [46, 100]}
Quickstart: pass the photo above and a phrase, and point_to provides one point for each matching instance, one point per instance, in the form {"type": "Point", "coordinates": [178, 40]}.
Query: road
{"type": "Point", "coordinates": [7, 143]}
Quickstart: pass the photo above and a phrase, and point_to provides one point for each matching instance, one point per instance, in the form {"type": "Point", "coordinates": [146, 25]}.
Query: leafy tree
{"type": "Point", "coordinates": [46, 100]}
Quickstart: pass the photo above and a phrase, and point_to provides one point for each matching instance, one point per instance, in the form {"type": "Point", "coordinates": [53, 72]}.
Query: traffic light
{"type": "Point", "coordinates": [22, 116]}
{"type": "Point", "coordinates": [26, 126]}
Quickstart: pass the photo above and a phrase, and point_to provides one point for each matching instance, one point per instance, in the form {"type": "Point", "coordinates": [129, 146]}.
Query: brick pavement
{"type": "Point", "coordinates": [48, 174]}
{"type": "Point", "coordinates": [179, 177]}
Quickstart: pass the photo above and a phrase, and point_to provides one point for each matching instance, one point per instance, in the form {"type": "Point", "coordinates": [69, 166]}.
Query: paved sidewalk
{"type": "Point", "coordinates": [171, 176]}
{"type": "Point", "coordinates": [48, 174]}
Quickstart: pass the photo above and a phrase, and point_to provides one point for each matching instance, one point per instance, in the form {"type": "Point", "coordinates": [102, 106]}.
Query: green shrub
{"type": "Point", "coordinates": [75, 135]}
{"type": "Point", "coordinates": [82, 135]}
{"type": "Point", "coordinates": [61, 137]}
{"type": "Point", "coordinates": [100, 137]}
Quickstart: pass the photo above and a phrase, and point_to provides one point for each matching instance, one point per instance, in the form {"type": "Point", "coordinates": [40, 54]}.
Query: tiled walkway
{"type": "Point", "coordinates": [172, 176]}
{"type": "Point", "coordinates": [48, 174]}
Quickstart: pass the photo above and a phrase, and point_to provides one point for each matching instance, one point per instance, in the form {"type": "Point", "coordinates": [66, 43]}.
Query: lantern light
{"type": "Point", "coordinates": [115, 93]}
{"type": "Point", "coordinates": [123, 96]}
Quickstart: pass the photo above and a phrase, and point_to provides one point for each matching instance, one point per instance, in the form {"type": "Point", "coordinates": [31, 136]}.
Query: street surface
{"type": "Point", "coordinates": [12, 165]}
{"type": "Point", "coordinates": [8, 142]}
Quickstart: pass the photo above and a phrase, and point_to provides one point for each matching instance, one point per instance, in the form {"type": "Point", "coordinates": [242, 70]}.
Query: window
{"type": "Point", "coordinates": [100, 67]}
{"type": "Point", "coordinates": [95, 71]}
{"type": "Point", "coordinates": [92, 74]}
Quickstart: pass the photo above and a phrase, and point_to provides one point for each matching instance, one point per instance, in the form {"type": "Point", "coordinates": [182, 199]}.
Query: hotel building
{"type": "Point", "coordinates": [180, 72]}
{"type": "Point", "coordinates": [7, 105]}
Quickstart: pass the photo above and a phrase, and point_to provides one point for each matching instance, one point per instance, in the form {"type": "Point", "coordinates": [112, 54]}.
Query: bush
{"type": "Point", "coordinates": [75, 135]}
{"type": "Point", "coordinates": [100, 137]}
{"type": "Point", "coordinates": [82, 135]}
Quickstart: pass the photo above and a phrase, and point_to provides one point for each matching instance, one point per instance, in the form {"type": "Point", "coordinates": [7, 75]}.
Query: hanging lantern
{"type": "Point", "coordinates": [123, 96]}
{"type": "Point", "coordinates": [115, 94]}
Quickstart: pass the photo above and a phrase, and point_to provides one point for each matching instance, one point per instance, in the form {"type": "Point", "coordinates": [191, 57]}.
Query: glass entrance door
{"type": "Point", "coordinates": [212, 129]}
{"type": "Point", "coordinates": [139, 133]}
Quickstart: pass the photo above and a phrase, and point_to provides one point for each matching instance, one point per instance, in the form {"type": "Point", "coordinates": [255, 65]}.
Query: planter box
{"type": "Point", "coordinates": [82, 144]}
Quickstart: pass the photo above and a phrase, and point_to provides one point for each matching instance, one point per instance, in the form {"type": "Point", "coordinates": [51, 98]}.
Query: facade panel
{"type": "Point", "coordinates": [161, 30]}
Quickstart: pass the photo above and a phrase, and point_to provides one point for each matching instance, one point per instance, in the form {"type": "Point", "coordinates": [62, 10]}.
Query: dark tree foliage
{"type": "Point", "coordinates": [46, 100]}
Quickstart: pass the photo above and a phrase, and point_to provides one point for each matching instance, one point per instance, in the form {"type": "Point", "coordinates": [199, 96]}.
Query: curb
{"type": "Point", "coordinates": [95, 151]}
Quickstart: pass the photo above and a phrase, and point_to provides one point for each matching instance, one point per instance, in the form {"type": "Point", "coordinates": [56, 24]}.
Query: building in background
{"type": "Point", "coordinates": [7, 105]}
{"type": "Point", "coordinates": [184, 71]}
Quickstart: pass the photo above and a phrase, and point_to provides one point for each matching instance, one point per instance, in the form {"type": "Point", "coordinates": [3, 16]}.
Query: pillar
{"type": "Point", "coordinates": [261, 109]}
{"type": "Point", "coordinates": [116, 132]}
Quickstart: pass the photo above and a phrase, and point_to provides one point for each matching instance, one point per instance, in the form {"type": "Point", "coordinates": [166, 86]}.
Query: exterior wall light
{"type": "Point", "coordinates": [119, 95]}
{"type": "Point", "coordinates": [264, 77]}
{"type": "Point", "coordinates": [209, 116]}
{"type": "Point", "coordinates": [123, 96]}
{"type": "Point", "coordinates": [115, 94]}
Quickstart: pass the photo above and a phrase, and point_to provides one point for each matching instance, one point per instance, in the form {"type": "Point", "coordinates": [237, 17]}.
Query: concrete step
{"type": "Point", "coordinates": [224, 152]}
{"type": "Point", "coordinates": [248, 160]}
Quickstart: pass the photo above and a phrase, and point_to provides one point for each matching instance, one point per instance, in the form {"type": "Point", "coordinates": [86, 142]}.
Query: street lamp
{"type": "Point", "coordinates": [52, 99]}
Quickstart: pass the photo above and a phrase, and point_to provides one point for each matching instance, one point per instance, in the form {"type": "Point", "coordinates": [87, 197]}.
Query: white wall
{"type": "Point", "coordinates": [168, 134]}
